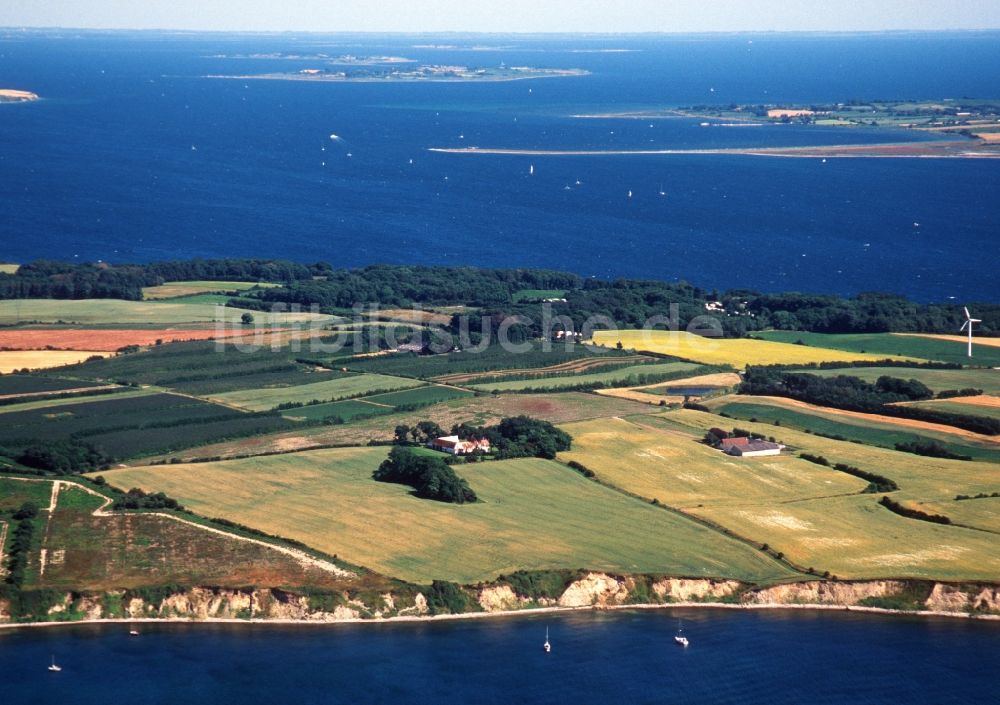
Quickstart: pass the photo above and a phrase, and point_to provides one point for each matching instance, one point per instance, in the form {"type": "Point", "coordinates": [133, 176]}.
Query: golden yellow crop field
{"type": "Point", "coordinates": [11, 360]}
{"type": "Point", "coordinates": [738, 352]}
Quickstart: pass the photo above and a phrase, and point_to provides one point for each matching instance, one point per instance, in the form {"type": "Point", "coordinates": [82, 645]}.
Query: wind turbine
{"type": "Point", "coordinates": [969, 320]}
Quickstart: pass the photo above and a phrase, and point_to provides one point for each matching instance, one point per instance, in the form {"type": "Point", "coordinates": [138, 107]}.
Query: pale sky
{"type": "Point", "coordinates": [505, 15]}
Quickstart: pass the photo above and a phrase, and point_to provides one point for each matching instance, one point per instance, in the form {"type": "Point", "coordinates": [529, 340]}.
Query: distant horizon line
{"type": "Point", "coordinates": [484, 33]}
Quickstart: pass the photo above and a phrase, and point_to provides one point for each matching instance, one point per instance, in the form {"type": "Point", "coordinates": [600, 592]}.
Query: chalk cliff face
{"type": "Point", "coordinates": [599, 590]}
{"type": "Point", "coordinates": [821, 592]}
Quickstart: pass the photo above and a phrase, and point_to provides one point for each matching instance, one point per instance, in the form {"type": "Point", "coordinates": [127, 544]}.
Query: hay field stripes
{"type": "Point", "coordinates": [586, 364]}
{"type": "Point", "coordinates": [533, 514]}
{"type": "Point", "coordinates": [11, 360]}
{"type": "Point", "coordinates": [724, 351]}
{"type": "Point", "coordinates": [116, 312]}
{"type": "Point", "coordinates": [611, 376]}
{"type": "Point", "coordinates": [173, 290]}
{"type": "Point", "coordinates": [343, 387]}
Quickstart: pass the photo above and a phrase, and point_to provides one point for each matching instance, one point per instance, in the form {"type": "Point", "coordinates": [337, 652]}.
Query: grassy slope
{"type": "Point", "coordinates": [681, 472]}
{"type": "Point", "coordinates": [337, 388]}
{"type": "Point", "coordinates": [717, 351]}
{"type": "Point", "coordinates": [956, 407]}
{"type": "Point", "coordinates": [533, 514]}
{"type": "Point", "coordinates": [134, 550]}
{"type": "Point", "coordinates": [853, 536]}
{"type": "Point", "coordinates": [885, 344]}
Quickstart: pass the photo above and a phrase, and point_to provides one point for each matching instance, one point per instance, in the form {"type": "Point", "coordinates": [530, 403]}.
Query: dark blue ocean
{"type": "Point", "coordinates": [744, 658]}
{"type": "Point", "coordinates": [134, 156]}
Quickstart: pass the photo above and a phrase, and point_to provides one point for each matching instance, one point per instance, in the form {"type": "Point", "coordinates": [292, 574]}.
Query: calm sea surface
{"type": "Point", "coordinates": [772, 657]}
{"type": "Point", "coordinates": [134, 156]}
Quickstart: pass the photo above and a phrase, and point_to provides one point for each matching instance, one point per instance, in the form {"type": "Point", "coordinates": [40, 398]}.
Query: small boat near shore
{"type": "Point", "coordinates": [53, 667]}
{"type": "Point", "coordinates": [679, 637]}
{"type": "Point", "coordinates": [547, 647]}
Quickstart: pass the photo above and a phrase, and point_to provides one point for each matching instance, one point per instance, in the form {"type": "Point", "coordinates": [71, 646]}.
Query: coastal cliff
{"type": "Point", "coordinates": [588, 590]}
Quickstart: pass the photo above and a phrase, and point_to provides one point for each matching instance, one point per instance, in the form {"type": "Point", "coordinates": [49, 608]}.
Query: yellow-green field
{"type": "Point", "coordinates": [172, 290]}
{"type": "Point", "coordinates": [328, 390]}
{"type": "Point", "coordinates": [982, 513]}
{"type": "Point", "coordinates": [679, 471]}
{"type": "Point", "coordinates": [533, 514]}
{"type": "Point", "coordinates": [11, 360]}
{"type": "Point", "coordinates": [854, 537]}
{"type": "Point", "coordinates": [719, 351]}
{"type": "Point", "coordinates": [7, 268]}
{"type": "Point", "coordinates": [117, 312]}
{"type": "Point", "coordinates": [849, 535]}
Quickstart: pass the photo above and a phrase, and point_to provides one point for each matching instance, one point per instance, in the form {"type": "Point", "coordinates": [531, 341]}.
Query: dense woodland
{"type": "Point", "coordinates": [626, 302]}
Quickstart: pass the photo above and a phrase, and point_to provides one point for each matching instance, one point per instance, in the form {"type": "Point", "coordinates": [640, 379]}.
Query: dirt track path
{"type": "Point", "coordinates": [301, 557]}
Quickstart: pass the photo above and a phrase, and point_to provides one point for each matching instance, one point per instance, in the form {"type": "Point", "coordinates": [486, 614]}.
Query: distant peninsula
{"type": "Point", "coordinates": [976, 119]}
{"type": "Point", "coordinates": [347, 59]}
{"type": "Point", "coordinates": [422, 73]}
{"type": "Point", "coordinates": [9, 95]}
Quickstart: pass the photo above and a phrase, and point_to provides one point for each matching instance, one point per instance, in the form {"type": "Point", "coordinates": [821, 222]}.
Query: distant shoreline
{"type": "Point", "coordinates": [503, 614]}
{"type": "Point", "coordinates": [895, 150]}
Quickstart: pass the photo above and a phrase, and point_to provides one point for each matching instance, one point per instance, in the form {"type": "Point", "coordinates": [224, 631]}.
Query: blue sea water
{"type": "Point", "coordinates": [772, 657]}
{"type": "Point", "coordinates": [134, 156]}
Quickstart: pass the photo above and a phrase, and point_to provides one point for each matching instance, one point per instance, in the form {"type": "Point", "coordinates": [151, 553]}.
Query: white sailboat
{"type": "Point", "coordinates": [133, 631]}
{"type": "Point", "coordinates": [531, 170]}
{"type": "Point", "coordinates": [54, 667]}
{"type": "Point", "coordinates": [679, 638]}
{"type": "Point", "coordinates": [547, 646]}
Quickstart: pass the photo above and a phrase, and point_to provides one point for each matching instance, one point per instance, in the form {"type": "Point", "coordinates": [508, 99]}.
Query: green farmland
{"type": "Point", "coordinates": [890, 344]}
{"type": "Point", "coordinates": [533, 514]}
{"type": "Point", "coordinates": [623, 376]}
{"type": "Point", "coordinates": [340, 387]}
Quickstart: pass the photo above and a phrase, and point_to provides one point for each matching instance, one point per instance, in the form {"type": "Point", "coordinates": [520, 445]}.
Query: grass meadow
{"type": "Point", "coordinates": [533, 514]}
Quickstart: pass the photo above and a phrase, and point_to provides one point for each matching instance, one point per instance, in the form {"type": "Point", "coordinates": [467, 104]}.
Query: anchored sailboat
{"type": "Point", "coordinates": [54, 667]}
{"type": "Point", "coordinates": [679, 638]}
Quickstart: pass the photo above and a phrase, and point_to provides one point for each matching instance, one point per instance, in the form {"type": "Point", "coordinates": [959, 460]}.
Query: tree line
{"type": "Point", "coordinates": [628, 302]}
{"type": "Point", "coordinates": [854, 394]}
